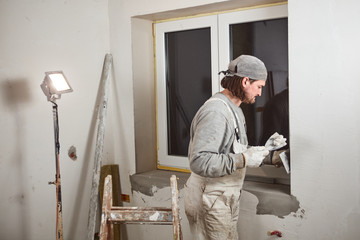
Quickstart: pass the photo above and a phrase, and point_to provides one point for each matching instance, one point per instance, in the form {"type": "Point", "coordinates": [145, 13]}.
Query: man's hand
{"type": "Point", "coordinates": [254, 156]}
{"type": "Point", "coordinates": [276, 141]}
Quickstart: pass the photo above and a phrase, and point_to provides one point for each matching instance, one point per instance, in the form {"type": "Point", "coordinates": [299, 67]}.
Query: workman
{"type": "Point", "coordinates": [219, 152]}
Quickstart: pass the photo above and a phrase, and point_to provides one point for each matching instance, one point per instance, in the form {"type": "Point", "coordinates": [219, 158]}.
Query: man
{"type": "Point", "coordinates": [219, 152]}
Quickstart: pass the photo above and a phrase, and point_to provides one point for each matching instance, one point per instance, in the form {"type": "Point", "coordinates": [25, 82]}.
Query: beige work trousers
{"type": "Point", "coordinates": [212, 206]}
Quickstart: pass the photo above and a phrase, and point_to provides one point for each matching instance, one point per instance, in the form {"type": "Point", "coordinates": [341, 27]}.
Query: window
{"type": "Point", "coordinates": [189, 55]}
{"type": "Point", "coordinates": [263, 33]}
{"type": "Point", "coordinates": [186, 61]}
{"type": "Point", "coordinates": [188, 85]}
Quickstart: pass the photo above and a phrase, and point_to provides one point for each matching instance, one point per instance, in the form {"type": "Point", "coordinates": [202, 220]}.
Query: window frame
{"type": "Point", "coordinates": [252, 15]}
{"type": "Point", "coordinates": [220, 45]}
{"type": "Point", "coordinates": [164, 160]}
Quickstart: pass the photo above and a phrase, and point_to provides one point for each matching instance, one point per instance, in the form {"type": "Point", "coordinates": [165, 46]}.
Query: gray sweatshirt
{"type": "Point", "coordinates": [212, 134]}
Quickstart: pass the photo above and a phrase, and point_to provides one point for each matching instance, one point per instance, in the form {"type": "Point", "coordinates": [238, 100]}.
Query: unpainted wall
{"type": "Point", "coordinates": [324, 128]}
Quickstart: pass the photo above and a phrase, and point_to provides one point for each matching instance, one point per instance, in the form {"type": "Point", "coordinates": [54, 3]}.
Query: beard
{"type": "Point", "coordinates": [247, 99]}
{"type": "Point", "coordinates": [244, 96]}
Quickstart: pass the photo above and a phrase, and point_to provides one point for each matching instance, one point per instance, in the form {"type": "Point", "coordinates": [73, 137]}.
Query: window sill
{"type": "Point", "coordinates": [274, 199]}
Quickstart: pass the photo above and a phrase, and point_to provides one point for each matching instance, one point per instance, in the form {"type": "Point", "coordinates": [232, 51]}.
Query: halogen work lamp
{"type": "Point", "coordinates": [55, 84]}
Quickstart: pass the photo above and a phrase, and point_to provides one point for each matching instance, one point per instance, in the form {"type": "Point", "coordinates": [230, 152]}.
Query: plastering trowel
{"type": "Point", "coordinates": [285, 160]}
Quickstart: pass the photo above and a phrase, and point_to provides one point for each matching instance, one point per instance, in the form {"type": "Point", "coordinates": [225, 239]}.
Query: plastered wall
{"type": "Point", "coordinates": [39, 36]}
{"type": "Point", "coordinates": [74, 36]}
{"type": "Point", "coordinates": [324, 116]}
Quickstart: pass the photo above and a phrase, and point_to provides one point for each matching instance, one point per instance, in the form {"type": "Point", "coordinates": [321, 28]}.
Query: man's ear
{"type": "Point", "coordinates": [245, 81]}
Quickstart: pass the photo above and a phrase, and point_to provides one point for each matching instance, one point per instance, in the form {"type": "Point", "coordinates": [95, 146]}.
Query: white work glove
{"type": "Point", "coordinates": [276, 141]}
{"type": "Point", "coordinates": [254, 156]}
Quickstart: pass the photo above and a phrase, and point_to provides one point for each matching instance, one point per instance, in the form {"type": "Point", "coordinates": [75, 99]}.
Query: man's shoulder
{"type": "Point", "coordinates": [214, 108]}
{"type": "Point", "coordinates": [215, 103]}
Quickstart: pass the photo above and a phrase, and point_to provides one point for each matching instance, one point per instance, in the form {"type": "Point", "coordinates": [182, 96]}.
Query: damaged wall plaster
{"type": "Point", "coordinates": [274, 199]}
{"type": "Point", "coordinates": [271, 204]}
{"type": "Point", "coordinates": [72, 153]}
{"type": "Point", "coordinates": [148, 183]}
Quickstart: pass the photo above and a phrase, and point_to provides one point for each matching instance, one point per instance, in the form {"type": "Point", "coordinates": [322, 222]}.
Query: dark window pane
{"type": "Point", "coordinates": [267, 40]}
{"type": "Point", "coordinates": [188, 83]}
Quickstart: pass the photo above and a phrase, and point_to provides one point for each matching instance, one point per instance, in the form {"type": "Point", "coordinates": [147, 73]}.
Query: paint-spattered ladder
{"type": "Point", "coordinates": [139, 215]}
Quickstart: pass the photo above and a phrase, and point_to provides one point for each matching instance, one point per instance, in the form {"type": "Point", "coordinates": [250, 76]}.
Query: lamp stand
{"type": "Point", "coordinates": [57, 182]}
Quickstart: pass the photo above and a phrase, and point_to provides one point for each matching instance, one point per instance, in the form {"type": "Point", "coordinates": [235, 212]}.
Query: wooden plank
{"type": "Point", "coordinates": [175, 208]}
{"type": "Point", "coordinates": [94, 196]}
{"type": "Point", "coordinates": [113, 170]}
{"type": "Point", "coordinates": [105, 228]}
{"type": "Point", "coordinates": [141, 215]}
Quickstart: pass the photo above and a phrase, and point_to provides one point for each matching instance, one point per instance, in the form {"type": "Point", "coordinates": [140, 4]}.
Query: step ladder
{"type": "Point", "coordinates": [138, 215]}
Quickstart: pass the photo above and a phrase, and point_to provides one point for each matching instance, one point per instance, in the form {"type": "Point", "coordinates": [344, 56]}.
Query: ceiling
{"type": "Point", "coordinates": [230, 5]}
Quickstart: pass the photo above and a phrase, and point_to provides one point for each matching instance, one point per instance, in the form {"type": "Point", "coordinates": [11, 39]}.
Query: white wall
{"type": "Point", "coordinates": [39, 36]}
{"type": "Point", "coordinates": [324, 116]}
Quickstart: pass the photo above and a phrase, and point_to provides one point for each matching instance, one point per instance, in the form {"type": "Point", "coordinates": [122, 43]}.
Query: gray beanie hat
{"type": "Point", "coordinates": [247, 66]}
